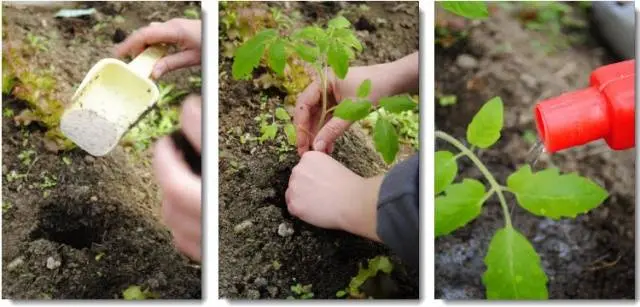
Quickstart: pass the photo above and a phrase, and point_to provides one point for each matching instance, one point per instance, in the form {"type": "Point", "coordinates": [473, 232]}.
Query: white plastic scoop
{"type": "Point", "coordinates": [110, 99]}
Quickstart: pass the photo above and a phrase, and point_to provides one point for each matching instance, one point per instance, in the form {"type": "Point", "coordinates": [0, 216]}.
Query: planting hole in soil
{"type": "Point", "coordinates": [74, 225]}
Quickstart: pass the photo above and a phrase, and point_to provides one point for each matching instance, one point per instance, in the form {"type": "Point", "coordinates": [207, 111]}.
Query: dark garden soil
{"type": "Point", "coordinates": [255, 260]}
{"type": "Point", "coordinates": [591, 257]}
{"type": "Point", "coordinates": [96, 230]}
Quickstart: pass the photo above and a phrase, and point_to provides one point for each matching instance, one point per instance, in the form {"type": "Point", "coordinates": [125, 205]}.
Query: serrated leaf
{"type": "Point", "coordinates": [268, 132]}
{"type": "Point", "coordinates": [398, 103]}
{"type": "Point", "coordinates": [277, 57]}
{"type": "Point", "coordinates": [290, 131]}
{"type": "Point", "coordinates": [306, 53]}
{"type": "Point", "coordinates": [338, 59]}
{"type": "Point", "coordinates": [348, 37]}
{"type": "Point", "coordinates": [461, 204]}
{"type": "Point", "coordinates": [484, 129]}
{"type": "Point", "coordinates": [446, 169]}
{"type": "Point", "coordinates": [309, 33]}
{"type": "Point", "coordinates": [247, 57]}
{"type": "Point", "coordinates": [513, 268]}
{"type": "Point", "coordinates": [339, 22]}
{"type": "Point", "coordinates": [468, 9]}
{"type": "Point", "coordinates": [385, 139]}
{"type": "Point", "coordinates": [364, 89]}
{"type": "Point", "coordinates": [351, 110]}
{"type": "Point", "coordinates": [547, 193]}
{"type": "Point", "coordinates": [282, 114]}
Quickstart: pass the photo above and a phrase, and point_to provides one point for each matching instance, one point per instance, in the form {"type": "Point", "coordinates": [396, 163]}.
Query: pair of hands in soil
{"type": "Point", "coordinates": [321, 191]}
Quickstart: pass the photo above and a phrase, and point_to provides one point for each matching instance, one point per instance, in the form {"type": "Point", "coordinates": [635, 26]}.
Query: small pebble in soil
{"type": "Point", "coordinates": [52, 263]}
{"type": "Point", "coordinates": [118, 36]}
{"type": "Point", "coordinates": [285, 230]}
{"type": "Point", "coordinates": [466, 61]}
{"type": "Point", "coordinates": [244, 225]}
{"type": "Point", "coordinates": [94, 198]}
{"type": "Point", "coordinates": [89, 159]}
{"type": "Point", "coordinates": [273, 291]}
{"type": "Point", "coordinates": [529, 81]}
{"type": "Point", "coordinates": [260, 282]}
{"type": "Point", "coordinates": [15, 264]}
{"type": "Point", "coordinates": [253, 294]}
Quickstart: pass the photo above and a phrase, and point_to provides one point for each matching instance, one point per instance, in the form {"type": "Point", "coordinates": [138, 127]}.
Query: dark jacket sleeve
{"type": "Point", "coordinates": [398, 221]}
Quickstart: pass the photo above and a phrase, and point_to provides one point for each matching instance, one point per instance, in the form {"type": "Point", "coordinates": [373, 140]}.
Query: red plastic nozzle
{"type": "Point", "coordinates": [603, 110]}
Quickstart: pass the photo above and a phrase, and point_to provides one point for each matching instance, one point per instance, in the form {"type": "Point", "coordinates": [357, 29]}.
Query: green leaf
{"type": "Point", "coordinates": [133, 293]}
{"type": "Point", "coordinates": [398, 103]}
{"type": "Point", "coordinates": [290, 131]}
{"type": "Point", "coordinates": [364, 89]}
{"type": "Point", "coordinates": [547, 193]}
{"type": "Point", "coordinates": [247, 57]}
{"type": "Point", "coordinates": [484, 129]}
{"type": "Point", "coordinates": [309, 33]}
{"type": "Point", "coordinates": [282, 114]}
{"type": "Point", "coordinates": [513, 268]}
{"type": "Point", "coordinates": [446, 170]}
{"type": "Point", "coordinates": [306, 53]}
{"type": "Point", "coordinates": [341, 294]}
{"type": "Point", "coordinates": [351, 110]}
{"type": "Point", "coordinates": [338, 59]}
{"type": "Point", "coordinates": [461, 204]}
{"type": "Point", "coordinates": [339, 23]}
{"type": "Point", "coordinates": [468, 9]}
{"type": "Point", "coordinates": [385, 139]}
{"type": "Point", "coordinates": [268, 132]}
{"type": "Point", "coordinates": [347, 37]}
{"type": "Point", "coordinates": [277, 57]}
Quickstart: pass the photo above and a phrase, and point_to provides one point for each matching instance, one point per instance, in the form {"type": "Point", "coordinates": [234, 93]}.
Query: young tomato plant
{"type": "Point", "coordinates": [513, 266]}
{"type": "Point", "coordinates": [322, 48]}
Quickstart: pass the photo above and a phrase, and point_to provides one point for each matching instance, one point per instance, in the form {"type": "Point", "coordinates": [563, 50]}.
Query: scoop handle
{"type": "Point", "coordinates": [143, 64]}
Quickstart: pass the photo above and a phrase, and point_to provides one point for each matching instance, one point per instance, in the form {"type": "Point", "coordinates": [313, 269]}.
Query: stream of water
{"type": "Point", "coordinates": [534, 153]}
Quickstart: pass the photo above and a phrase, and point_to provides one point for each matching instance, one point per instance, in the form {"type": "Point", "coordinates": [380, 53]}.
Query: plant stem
{"type": "Point", "coordinates": [483, 169]}
{"type": "Point", "coordinates": [323, 115]}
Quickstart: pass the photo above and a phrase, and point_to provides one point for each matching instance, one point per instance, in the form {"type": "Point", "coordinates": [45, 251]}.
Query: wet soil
{"type": "Point", "coordinates": [256, 262]}
{"type": "Point", "coordinates": [591, 257]}
{"type": "Point", "coordinates": [76, 226]}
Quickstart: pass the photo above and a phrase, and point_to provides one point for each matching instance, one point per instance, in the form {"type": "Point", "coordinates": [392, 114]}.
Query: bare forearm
{"type": "Point", "coordinates": [403, 74]}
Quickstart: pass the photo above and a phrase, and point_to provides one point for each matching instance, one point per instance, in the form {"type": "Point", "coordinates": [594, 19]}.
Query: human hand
{"type": "Point", "coordinates": [181, 188]}
{"type": "Point", "coordinates": [400, 76]}
{"type": "Point", "coordinates": [324, 193]}
{"type": "Point", "coordinates": [185, 33]}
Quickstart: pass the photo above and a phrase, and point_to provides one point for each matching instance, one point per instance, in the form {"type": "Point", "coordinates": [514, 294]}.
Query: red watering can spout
{"type": "Point", "coordinates": [604, 110]}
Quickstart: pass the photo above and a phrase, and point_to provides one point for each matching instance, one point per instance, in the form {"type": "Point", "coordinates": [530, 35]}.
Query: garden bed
{"type": "Point", "coordinates": [591, 257]}
{"type": "Point", "coordinates": [77, 226]}
{"type": "Point", "coordinates": [256, 259]}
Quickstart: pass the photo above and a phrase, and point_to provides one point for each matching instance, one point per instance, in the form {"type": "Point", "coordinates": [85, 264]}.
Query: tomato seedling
{"type": "Point", "coordinates": [513, 266]}
{"type": "Point", "coordinates": [322, 48]}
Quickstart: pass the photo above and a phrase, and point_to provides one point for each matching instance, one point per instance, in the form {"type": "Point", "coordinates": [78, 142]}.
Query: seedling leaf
{"type": "Point", "coordinates": [351, 110]}
{"type": "Point", "coordinates": [277, 57]}
{"type": "Point", "coordinates": [290, 131]}
{"type": "Point", "coordinates": [468, 9]}
{"type": "Point", "coordinates": [484, 129]}
{"type": "Point", "coordinates": [446, 170]}
{"type": "Point", "coordinates": [306, 53]}
{"type": "Point", "coordinates": [461, 204]}
{"type": "Point", "coordinates": [513, 268]}
{"type": "Point", "coordinates": [133, 293]}
{"type": "Point", "coordinates": [364, 89]}
{"type": "Point", "coordinates": [339, 23]}
{"type": "Point", "coordinates": [282, 114]}
{"type": "Point", "coordinates": [338, 59]}
{"type": "Point", "coordinates": [398, 103]}
{"type": "Point", "coordinates": [385, 139]}
{"type": "Point", "coordinates": [247, 57]}
{"type": "Point", "coordinates": [268, 132]}
{"type": "Point", "coordinates": [547, 193]}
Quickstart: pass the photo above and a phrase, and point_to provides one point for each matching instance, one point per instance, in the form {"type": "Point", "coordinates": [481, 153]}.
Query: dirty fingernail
{"type": "Point", "coordinates": [319, 145]}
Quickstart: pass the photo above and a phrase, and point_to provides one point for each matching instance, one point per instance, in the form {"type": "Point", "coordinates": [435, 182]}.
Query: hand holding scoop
{"type": "Point", "coordinates": [110, 100]}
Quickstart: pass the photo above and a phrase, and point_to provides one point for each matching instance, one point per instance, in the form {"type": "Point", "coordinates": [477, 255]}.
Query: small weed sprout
{"type": "Point", "coordinates": [376, 265]}
{"type": "Point", "coordinates": [301, 292]}
{"type": "Point", "coordinates": [513, 270]}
